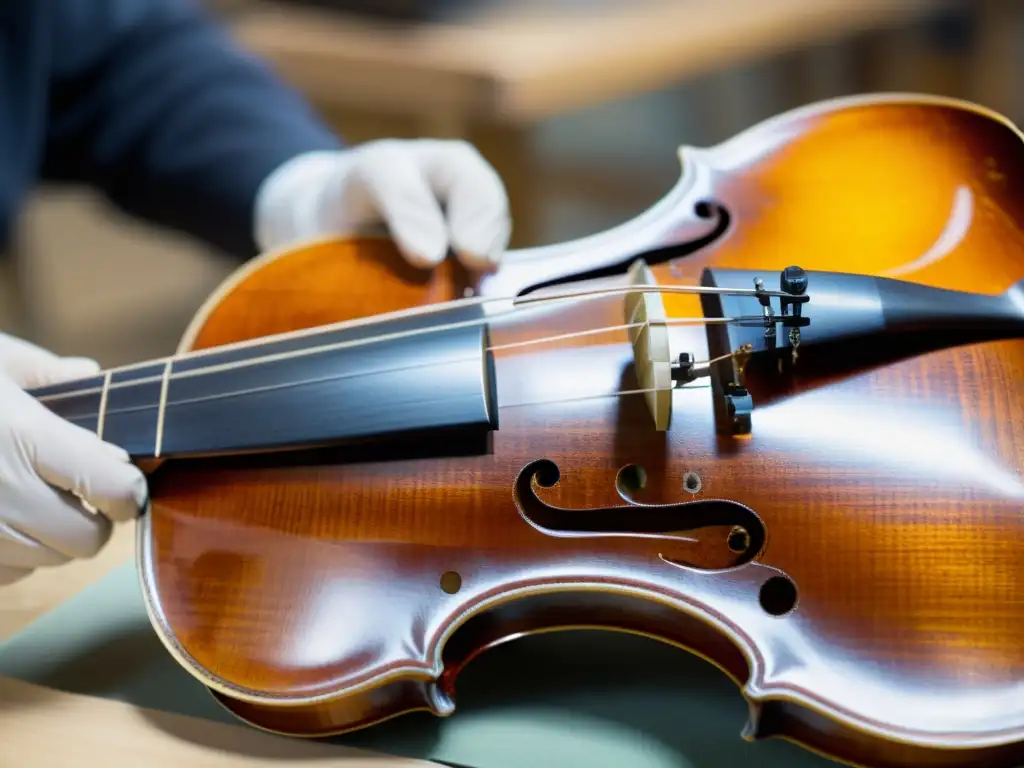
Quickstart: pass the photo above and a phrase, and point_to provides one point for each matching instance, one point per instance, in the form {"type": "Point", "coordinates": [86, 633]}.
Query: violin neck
{"type": "Point", "coordinates": [302, 392]}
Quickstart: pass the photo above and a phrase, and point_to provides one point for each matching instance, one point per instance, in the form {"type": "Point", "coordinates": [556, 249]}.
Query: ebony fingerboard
{"type": "Point", "coordinates": [122, 407]}
{"type": "Point", "coordinates": [440, 380]}
{"type": "Point", "coordinates": [357, 383]}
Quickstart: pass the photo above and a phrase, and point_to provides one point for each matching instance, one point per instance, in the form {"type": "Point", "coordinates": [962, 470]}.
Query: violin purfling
{"type": "Point", "coordinates": [776, 420]}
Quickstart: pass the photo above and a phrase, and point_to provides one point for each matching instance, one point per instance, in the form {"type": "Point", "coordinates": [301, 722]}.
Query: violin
{"type": "Point", "coordinates": [776, 420]}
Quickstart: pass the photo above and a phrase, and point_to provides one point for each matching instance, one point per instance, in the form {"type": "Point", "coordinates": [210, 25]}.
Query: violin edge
{"type": "Point", "coordinates": [775, 709]}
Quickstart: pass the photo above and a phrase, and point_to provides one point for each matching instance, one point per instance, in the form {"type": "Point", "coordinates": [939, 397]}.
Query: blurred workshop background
{"type": "Point", "coordinates": [580, 104]}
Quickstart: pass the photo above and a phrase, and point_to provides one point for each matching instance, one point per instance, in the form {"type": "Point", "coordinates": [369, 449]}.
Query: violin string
{"type": "Point", "coordinates": [578, 398]}
{"type": "Point", "coordinates": [340, 376]}
{"type": "Point", "coordinates": [608, 328]}
{"type": "Point", "coordinates": [316, 349]}
{"type": "Point", "coordinates": [517, 302]}
{"type": "Point", "coordinates": [689, 289]}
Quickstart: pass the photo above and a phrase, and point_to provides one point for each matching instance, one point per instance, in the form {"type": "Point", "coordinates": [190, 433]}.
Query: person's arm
{"type": "Point", "coordinates": [153, 104]}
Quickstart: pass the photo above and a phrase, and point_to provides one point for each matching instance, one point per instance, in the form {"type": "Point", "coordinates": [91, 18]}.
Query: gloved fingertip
{"type": "Point", "coordinates": [423, 258]}
{"type": "Point", "coordinates": [478, 262]}
{"type": "Point", "coordinates": [132, 505]}
{"type": "Point", "coordinates": [496, 251]}
{"type": "Point", "coordinates": [119, 492]}
{"type": "Point", "coordinates": [140, 493]}
{"type": "Point", "coordinates": [141, 500]}
{"type": "Point", "coordinates": [117, 451]}
{"type": "Point", "coordinates": [77, 367]}
{"type": "Point", "coordinates": [490, 254]}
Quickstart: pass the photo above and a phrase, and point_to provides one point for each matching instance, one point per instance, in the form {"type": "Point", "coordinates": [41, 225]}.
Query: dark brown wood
{"type": "Point", "coordinates": [317, 593]}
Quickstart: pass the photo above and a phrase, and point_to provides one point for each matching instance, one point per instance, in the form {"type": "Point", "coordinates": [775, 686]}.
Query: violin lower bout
{"type": "Point", "coordinates": [603, 611]}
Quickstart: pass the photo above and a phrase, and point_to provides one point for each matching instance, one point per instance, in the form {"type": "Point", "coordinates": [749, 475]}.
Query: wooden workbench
{"type": "Point", "coordinates": [494, 75]}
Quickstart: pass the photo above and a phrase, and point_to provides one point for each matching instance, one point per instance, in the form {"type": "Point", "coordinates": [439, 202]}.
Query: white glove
{"type": "Point", "coordinates": [397, 183]}
{"type": "Point", "coordinates": [49, 465]}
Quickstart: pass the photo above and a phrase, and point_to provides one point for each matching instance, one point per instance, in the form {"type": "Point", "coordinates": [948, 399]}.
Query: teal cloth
{"type": "Point", "coordinates": [586, 699]}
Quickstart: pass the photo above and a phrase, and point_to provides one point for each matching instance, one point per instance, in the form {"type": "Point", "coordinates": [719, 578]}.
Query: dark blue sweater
{"type": "Point", "coordinates": [150, 102]}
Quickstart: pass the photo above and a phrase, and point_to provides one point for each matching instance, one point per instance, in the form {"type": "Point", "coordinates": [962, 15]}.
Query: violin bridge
{"type": "Point", "coordinates": [652, 357]}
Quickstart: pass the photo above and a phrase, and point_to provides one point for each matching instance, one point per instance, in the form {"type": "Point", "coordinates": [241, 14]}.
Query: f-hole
{"type": "Point", "coordinates": [668, 520]}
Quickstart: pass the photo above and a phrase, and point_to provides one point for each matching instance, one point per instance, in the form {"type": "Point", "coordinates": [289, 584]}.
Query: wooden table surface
{"type": "Point", "coordinates": [24, 601]}
{"type": "Point", "coordinates": [525, 60]}
{"type": "Point", "coordinates": [46, 728]}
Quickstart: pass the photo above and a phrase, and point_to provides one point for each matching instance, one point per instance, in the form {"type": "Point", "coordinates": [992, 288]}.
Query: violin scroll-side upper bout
{"type": "Point", "coordinates": [811, 479]}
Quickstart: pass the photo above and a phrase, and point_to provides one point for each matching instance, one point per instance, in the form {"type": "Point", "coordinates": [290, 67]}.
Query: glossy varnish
{"type": "Point", "coordinates": [324, 591]}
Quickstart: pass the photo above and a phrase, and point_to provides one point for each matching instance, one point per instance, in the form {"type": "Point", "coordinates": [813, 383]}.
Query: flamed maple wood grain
{"type": "Point", "coordinates": [306, 592]}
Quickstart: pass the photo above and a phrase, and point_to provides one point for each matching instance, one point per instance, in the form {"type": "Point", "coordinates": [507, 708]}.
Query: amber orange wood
{"type": "Point", "coordinates": [323, 592]}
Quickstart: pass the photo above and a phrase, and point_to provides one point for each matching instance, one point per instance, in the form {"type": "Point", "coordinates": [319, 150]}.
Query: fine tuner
{"type": "Point", "coordinates": [658, 372]}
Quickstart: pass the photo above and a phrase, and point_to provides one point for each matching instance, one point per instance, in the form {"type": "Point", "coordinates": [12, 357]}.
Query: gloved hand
{"type": "Point", "coordinates": [401, 184]}
{"type": "Point", "coordinates": [48, 466]}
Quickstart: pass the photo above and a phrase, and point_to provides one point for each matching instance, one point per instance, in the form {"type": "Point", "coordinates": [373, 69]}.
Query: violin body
{"type": "Point", "coordinates": [852, 559]}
